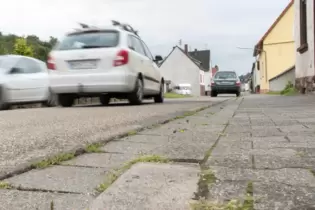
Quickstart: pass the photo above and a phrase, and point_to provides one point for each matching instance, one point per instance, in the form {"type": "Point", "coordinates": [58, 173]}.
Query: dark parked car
{"type": "Point", "coordinates": [225, 82]}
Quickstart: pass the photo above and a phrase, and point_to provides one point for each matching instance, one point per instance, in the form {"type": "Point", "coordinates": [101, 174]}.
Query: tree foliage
{"type": "Point", "coordinates": [39, 48]}
{"type": "Point", "coordinates": [22, 48]}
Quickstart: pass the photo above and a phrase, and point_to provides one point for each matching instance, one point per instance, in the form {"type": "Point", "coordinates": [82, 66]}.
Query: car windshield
{"type": "Point", "coordinates": [91, 39]}
{"type": "Point", "coordinates": [225, 75]}
{"type": "Point", "coordinates": [7, 62]}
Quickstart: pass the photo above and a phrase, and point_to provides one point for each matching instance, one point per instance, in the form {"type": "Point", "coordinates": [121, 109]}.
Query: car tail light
{"type": "Point", "coordinates": [212, 83]}
{"type": "Point", "coordinates": [122, 58]}
{"type": "Point", "coordinates": [51, 63]}
{"type": "Point", "coordinates": [238, 83]}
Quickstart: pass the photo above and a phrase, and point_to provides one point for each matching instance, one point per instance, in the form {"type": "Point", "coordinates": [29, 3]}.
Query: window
{"type": "Point", "coordinates": [90, 39]}
{"type": "Point", "coordinates": [147, 51]}
{"type": "Point", "coordinates": [225, 75]}
{"type": "Point", "coordinates": [28, 66]}
{"type": "Point", "coordinates": [136, 45]}
{"type": "Point", "coordinates": [303, 27]}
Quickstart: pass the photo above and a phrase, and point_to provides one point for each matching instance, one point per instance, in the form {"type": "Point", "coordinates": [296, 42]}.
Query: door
{"type": "Point", "coordinates": [28, 81]}
{"type": "Point", "coordinates": [141, 63]}
{"type": "Point", "coordinates": [153, 69]}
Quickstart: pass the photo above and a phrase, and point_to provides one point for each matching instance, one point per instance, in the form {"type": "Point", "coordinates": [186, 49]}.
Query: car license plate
{"type": "Point", "coordinates": [88, 64]}
{"type": "Point", "coordinates": [227, 83]}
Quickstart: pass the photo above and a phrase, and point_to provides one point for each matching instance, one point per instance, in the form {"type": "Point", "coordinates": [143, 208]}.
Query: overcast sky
{"type": "Point", "coordinates": [219, 25]}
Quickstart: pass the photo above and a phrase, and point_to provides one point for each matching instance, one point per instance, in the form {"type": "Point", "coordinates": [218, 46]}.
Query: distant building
{"type": "Point", "coordinates": [275, 51]}
{"type": "Point", "coordinates": [181, 68]}
{"type": "Point", "coordinates": [304, 39]}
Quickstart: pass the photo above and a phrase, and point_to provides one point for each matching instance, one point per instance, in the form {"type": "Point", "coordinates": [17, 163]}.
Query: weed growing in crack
{"type": "Point", "coordinates": [54, 160]}
{"type": "Point", "coordinates": [132, 133]}
{"type": "Point", "coordinates": [5, 185]}
{"type": "Point", "coordinates": [300, 154]}
{"type": "Point", "coordinates": [206, 205]}
{"type": "Point", "coordinates": [249, 200]}
{"type": "Point", "coordinates": [112, 176]}
{"type": "Point", "coordinates": [93, 148]}
{"type": "Point", "coordinates": [312, 171]}
{"type": "Point", "coordinates": [208, 176]}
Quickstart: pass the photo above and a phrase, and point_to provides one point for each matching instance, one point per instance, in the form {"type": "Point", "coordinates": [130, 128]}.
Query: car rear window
{"type": "Point", "coordinates": [225, 75]}
{"type": "Point", "coordinates": [7, 62]}
{"type": "Point", "coordinates": [91, 39]}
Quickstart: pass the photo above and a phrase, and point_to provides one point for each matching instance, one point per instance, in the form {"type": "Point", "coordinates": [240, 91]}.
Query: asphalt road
{"type": "Point", "coordinates": [28, 134]}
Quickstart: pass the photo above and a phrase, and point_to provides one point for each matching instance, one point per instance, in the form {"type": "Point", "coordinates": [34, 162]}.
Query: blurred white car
{"type": "Point", "coordinates": [108, 62]}
{"type": "Point", "coordinates": [23, 80]}
{"type": "Point", "coordinates": [183, 89]}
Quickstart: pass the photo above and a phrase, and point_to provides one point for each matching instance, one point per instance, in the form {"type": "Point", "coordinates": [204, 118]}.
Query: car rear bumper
{"type": "Point", "coordinates": [118, 80]}
{"type": "Point", "coordinates": [226, 89]}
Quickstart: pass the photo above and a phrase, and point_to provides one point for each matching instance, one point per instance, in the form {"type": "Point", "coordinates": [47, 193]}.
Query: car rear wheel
{"type": "Point", "coordinates": [3, 104]}
{"type": "Point", "coordinates": [160, 97]}
{"type": "Point", "coordinates": [136, 97]}
{"type": "Point", "coordinates": [214, 94]}
{"type": "Point", "coordinates": [66, 100]}
{"type": "Point", "coordinates": [105, 100]}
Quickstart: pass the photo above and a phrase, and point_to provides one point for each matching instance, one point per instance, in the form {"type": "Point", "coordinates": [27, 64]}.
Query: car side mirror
{"type": "Point", "coordinates": [158, 58]}
{"type": "Point", "coordinates": [16, 70]}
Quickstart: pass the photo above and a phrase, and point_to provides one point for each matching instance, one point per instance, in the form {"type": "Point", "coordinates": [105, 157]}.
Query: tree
{"type": "Point", "coordinates": [22, 48]}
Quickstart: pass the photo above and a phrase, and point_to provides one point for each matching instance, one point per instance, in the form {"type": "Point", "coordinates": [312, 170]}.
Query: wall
{"type": "Point", "coordinates": [180, 69]}
{"type": "Point", "coordinates": [305, 61]}
{"type": "Point", "coordinates": [279, 49]}
{"type": "Point", "coordinates": [279, 83]}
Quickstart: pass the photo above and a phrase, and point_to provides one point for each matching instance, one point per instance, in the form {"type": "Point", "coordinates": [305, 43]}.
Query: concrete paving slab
{"type": "Point", "coordinates": [272, 195]}
{"type": "Point", "coordinates": [276, 162]}
{"type": "Point", "coordinates": [151, 186]}
{"type": "Point", "coordinates": [129, 147]}
{"type": "Point", "coordinates": [267, 132]}
{"type": "Point", "coordinates": [146, 139]}
{"type": "Point", "coordinates": [296, 128]}
{"type": "Point", "coordinates": [270, 145]}
{"type": "Point", "coordinates": [185, 146]}
{"type": "Point", "coordinates": [290, 176]}
{"type": "Point", "coordinates": [61, 178]}
{"type": "Point", "coordinates": [17, 200]}
{"type": "Point", "coordinates": [227, 190]}
{"type": "Point", "coordinates": [101, 160]}
{"type": "Point", "coordinates": [230, 160]}
{"type": "Point", "coordinates": [238, 129]}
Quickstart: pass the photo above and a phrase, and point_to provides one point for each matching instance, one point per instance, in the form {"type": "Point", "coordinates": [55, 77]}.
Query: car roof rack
{"type": "Point", "coordinates": [125, 27]}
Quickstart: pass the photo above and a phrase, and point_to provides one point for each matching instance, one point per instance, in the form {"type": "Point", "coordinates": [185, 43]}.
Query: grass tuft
{"type": "Point", "coordinates": [94, 148]}
{"type": "Point", "coordinates": [175, 95]}
{"type": "Point", "coordinates": [54, 160]}
{"type": "Point", "coordinates": [208, 176]}
{"type": "Point", "coordinates": [5, 185]}
{"type": "Point", "coordinates": [132, 133]}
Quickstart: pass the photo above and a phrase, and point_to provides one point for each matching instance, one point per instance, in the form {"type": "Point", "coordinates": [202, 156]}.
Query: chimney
{"type": "Point", "coordinates": [186, 49]}
{"type": "Point", "coordinates": [195, 51]}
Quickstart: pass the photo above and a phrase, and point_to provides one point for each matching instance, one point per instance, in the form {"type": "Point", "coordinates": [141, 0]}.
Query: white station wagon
{"type": "Point", "coordinates": [108, 62]}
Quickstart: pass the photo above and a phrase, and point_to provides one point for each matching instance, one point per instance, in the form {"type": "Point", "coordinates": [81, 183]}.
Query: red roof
{"type": "Point", "coordinates": [258, 45]}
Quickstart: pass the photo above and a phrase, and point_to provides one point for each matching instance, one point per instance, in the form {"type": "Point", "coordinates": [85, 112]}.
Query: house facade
{"type": "Point", "coordinates": [304, 48]}
{"type": "Point", "coordinates": [255, 80]}
{"type": "Point", "coordinates": [180, 68]}
{"type": "Point", "coordinates": [275, 52]}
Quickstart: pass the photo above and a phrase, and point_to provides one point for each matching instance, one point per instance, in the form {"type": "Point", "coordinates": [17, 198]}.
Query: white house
{"type": "Point", "coordinates": [304, 39]}
{"type": "Point", "coordinates": [180, 68]}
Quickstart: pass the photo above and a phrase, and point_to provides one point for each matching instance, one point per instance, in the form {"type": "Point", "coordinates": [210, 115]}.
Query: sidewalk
{"type": "Point", "coordinates": [257, 152]}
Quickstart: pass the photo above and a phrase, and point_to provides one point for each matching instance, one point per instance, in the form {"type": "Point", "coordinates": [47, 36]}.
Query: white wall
{"type": "Point", "coordinates": [208, 76]}
{"type": "Point", "coordinates": [180, 69]}
{"type": "Point", "coordinates": [305, 61]}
